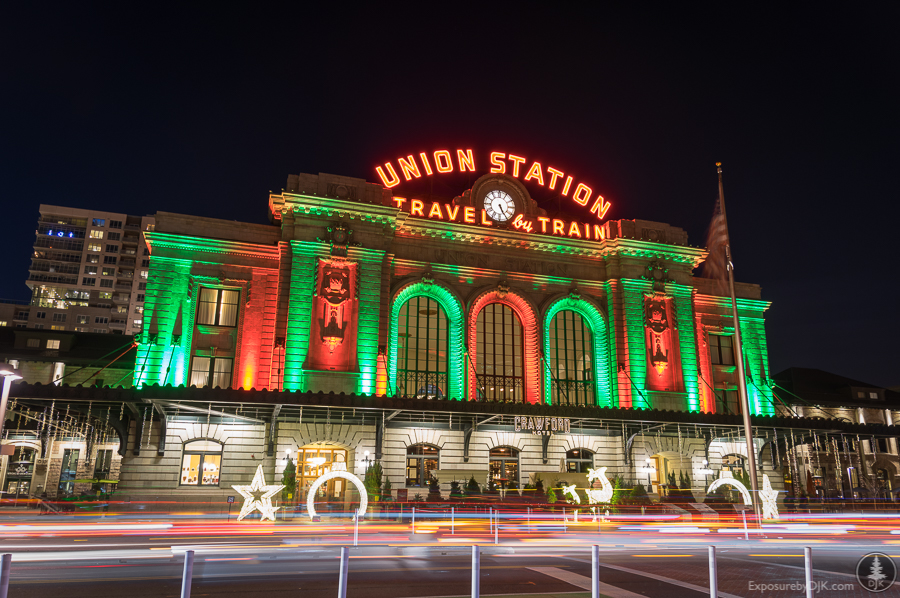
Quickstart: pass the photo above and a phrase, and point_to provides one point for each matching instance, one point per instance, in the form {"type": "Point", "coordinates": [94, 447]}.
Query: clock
{"type": "Point", "coordinates": [499, 206]}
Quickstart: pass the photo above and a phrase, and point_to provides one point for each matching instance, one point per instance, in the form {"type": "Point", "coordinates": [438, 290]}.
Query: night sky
{"type": "Point", "coordinates": [204, 110]}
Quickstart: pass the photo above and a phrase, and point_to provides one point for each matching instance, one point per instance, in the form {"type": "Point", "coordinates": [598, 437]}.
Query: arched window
{"type": "Point", "coordinates": [201, 463]}
{"type": "Point", "coordinates": [422, 349]}
{"type": "Point", "coordinates": [504, 464]}
{"type": "Point", "coordinates": [499, 350]}
{"type": "Point", "coordinates": [579, 461]}
{"type": "Point", "coordinates": [421, 460]}
{"type": "Point", "coordinates": [571, 363]}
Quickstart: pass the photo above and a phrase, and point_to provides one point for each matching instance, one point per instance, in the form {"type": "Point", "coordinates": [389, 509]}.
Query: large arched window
{"type": "Point", "coordinates": [579, 461]}
{"type": "Point", "coordinates": [499, 370]}
{"type": "Point", "coordinates": [421, 461]}
{"type": "Point", "coordinates": [422, 343]}
{"type": "Point", "coordinates": [201, 463]}
{"type": "Point", "coordinates": [504, 465]}
{"type": "Point", "coordinates": [571, 364]}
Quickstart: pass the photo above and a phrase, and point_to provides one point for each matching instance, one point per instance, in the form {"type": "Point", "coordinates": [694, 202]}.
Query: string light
{"type": "Point", "coordinates": [769, 499]}
{"type": "Point", "coordinates": [263, 504]}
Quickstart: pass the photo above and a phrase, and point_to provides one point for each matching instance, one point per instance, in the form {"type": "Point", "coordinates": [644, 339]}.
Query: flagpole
{"type": "Point", "coordinates": [739, 352]}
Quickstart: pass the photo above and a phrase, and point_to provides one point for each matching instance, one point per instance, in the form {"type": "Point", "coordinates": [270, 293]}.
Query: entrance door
{"type": "Point", "coordinates": [313, 462]}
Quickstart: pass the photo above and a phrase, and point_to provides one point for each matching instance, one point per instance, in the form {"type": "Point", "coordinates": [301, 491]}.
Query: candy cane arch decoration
{"type": "Point", "coordinates": [363, 497]}
{"type": "Point", "coordinates": [725, 478]}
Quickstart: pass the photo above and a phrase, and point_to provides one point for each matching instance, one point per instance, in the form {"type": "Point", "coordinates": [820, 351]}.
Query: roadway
{"type": "Point", "coordinates": [71, 557]}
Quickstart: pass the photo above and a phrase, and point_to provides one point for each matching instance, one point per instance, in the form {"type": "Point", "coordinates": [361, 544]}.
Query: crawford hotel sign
{"type": "Point", "coordinates": [498, 206]}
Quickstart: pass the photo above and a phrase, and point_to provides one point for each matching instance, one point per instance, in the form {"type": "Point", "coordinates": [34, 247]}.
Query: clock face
{"type": "Point", "coordinates": [499, 206]}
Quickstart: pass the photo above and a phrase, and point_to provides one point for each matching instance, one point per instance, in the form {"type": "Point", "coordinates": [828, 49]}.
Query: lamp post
{"type": "Point", "coordinates": [9, 375]}
{"type": "Point", "coordinates": [649, 482]}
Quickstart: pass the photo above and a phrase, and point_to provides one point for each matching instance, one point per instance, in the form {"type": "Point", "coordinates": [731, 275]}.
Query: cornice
{"type": "Point", "coordinates": [181, 243]}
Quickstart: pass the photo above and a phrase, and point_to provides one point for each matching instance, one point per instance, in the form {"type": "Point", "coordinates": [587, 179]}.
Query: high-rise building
{"type": "Point", "coordinates": [88, 272]}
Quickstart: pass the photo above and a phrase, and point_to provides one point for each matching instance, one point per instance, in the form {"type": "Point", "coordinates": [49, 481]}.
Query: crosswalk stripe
{"type": "Point", "coordinates": [580, 581]}
{"type": "Point", "coordinates": [683, 584]}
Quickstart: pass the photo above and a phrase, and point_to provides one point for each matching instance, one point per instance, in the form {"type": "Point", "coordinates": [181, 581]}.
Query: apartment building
{"type": "Point", "coordinates": [88, 273]}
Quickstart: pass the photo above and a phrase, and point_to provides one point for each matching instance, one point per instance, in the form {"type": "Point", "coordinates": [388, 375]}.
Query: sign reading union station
{"type": "Point", "coordinates": [441, 162]}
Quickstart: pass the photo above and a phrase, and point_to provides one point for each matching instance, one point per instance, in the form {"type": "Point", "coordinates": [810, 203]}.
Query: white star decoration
{"type": "Point", "coordinates": [769, 499]}
{"type": "Point", "coordinates": [263, 504]}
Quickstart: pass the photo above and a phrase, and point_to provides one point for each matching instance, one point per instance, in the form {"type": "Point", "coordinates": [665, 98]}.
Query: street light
{"type": "Point", "coordinates": [9, 374]}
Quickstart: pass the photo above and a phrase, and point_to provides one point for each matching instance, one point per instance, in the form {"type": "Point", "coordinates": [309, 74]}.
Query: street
{"type": "Point", "coordinates": [126, 557]}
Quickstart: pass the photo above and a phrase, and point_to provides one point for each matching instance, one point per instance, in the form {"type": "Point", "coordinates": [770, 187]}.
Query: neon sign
{"type": "Point", "coordinates": [543, 426]}
{"type": "Point", "coordinates": [466, 215]}
{"type": "Point", "coordinates": [441, 162]}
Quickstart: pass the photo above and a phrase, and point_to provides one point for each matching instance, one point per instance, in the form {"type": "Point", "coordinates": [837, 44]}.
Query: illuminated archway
{"type": "Point", "coordinates": [600, 344]}
{"type": "Point", "coordinates": [455, 323]}
{"type": "Point", "coordinates": [363, 498]}
{"type": "Point", "coordinates": [522, 310]}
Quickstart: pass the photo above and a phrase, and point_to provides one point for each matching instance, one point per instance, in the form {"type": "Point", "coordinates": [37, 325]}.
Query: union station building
{"type": "Point", "coordinates": [456, 337]}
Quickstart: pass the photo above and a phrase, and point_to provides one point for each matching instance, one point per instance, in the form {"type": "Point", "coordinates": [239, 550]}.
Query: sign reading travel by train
{"type": "Point", "coordinates": [441, 162]}
{"type": "Point", "coordinates": [466, 215]}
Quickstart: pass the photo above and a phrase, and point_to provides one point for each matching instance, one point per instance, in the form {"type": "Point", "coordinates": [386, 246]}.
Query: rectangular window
{"type": "Point", "coordinates": [67, 471]}
{"type": "Point", "coordinates": [93, 259]}
{"type": "Point", "coordinates": [728, 401]}
{"type": "Point", "coordinates": [41, 315]}
{"type": "Point", "coordinates": [34, 343]}
{"type": "Point", "coordinates": [200, 469]}
{"type": "Point", "coordinates": [138, 309]}
{"type": "Point", "coordinates": [103, 464]}
{"type": "Point", "coordinates": [90, 269]}
{"type": "Point", "coordinates": [144, 274]}
{"type": "Point", "coordinates": [104, 295]}
{"type": "Point", "coordinates": [99, 222]}
{"type": "Point", "coordinates": [59, 317]}
{"type": "Point", "coordinates": [94, 247]}
{"type": "Point", "coordinates": [112, 249]}
{"type": "Point", "coordinates": [38, 326]}
{"type": "Point", "coordinates": [145, 263]}
{"type": "Point", "coordinates": [88, 282]}
{"type": "Point", "coordinates": [58, 327]}
{"type": "Point", "coordinates": [96, 234]}
{"type": "Point", "coordinates": [109, 271]}
{"type": "Point", "coordinates": [4, 323]}
{"type": "Point", "coordinates": [218, 307]}
{"type": "Point", "coordinates": [52, 344]}
{"type": "Point", "coordinates": [114, 236]}
{"type": "Point", "coordinates": [140, 298]}
{"type": "Point", "coordinates": [217, 369]}
{"type": "Point", "coordinates": [101, 320]}
{"type": "Point", "coordinates": [21, 315]}
{"type": "Point", "coordinates": [721, 349]}
{"type": "Point", "coordinates": [142, 286]}
{"type": "Point", "coordinates": [100, 330]}
{"type": "Point", "coordinates": [106, 283]}
{"type": "Point", "coordinates": [121, 309]}
{"type": "Point", "coordinates": [109, 259]}
{"type": "Point", "coordinates": [82, 319]}
{"type": "Point", "coordinates": [115, 224]}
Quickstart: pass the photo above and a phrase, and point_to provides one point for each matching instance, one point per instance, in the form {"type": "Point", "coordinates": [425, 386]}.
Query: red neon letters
{"type": "Point", "coordinates": [411, 168]}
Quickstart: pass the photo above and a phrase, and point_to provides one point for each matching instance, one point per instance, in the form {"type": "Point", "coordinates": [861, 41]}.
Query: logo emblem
{"type": "Point", "coordinates": [876, 572]}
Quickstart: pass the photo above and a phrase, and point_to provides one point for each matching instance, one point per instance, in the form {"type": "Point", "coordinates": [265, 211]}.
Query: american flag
{"type": "Point", "coordinates": [715, 267]}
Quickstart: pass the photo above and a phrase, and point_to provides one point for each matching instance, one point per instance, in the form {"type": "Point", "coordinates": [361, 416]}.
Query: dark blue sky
{"type": "Point", "coordinates": [204, 110]}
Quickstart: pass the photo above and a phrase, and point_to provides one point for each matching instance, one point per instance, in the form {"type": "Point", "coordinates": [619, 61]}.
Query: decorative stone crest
{"type": "Point", "coordinates": [502, 289]}
{"type": "Point", "coordinates": [658, 275]}
{"type": "Point", "coordinates": [428, 276]}
{"type": "Point", "coordinates": [340, 237]}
